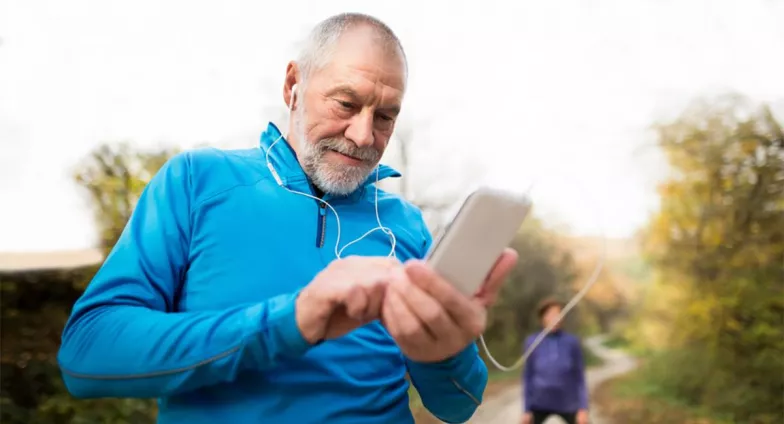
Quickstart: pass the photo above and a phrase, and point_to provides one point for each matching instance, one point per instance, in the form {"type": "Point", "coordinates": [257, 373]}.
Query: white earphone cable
{"type": "Point", "coordinates": [592, 279]}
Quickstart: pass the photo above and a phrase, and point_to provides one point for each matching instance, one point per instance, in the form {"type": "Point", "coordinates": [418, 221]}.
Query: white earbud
{"type": "Point", "coordinates": [293, 93]}
{"type": "Point", "coordinates": [269, 164]}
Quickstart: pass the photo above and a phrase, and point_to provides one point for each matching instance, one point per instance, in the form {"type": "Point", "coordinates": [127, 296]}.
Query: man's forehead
{"type": "Point", "coordinates": [363, 50]}
{"type": "Point", "coordinates": [388, 98]}
{"type": "Point", "coordinates": [379, 77]}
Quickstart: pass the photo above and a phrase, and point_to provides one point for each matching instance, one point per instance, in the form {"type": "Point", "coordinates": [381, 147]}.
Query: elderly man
{"type": "Point", "coordinates": [224, 298]}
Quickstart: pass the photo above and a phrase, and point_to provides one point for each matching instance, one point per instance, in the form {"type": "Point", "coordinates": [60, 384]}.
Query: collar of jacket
{"type": "Point", "coordinates": [284, 160]}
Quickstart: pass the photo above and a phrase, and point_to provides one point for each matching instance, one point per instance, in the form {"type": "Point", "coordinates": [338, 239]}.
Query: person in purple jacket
{"type": "Point", "coordinates": [554, 375]}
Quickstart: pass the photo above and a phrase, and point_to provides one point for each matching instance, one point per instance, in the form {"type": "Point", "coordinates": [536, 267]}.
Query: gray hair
{"type": "Point", "coordinates": [321, 41]}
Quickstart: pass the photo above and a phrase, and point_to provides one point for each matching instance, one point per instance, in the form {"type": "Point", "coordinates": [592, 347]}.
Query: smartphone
{"type": "Point", "coordinates": [486, 223]}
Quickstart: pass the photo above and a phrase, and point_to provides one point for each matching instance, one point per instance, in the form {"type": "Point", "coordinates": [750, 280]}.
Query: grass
{"type": "Point", "coordinates": [617, 341]}
{"type": "Point", "coordinates": [633, 399]}
{"type": "Point", "coordinates": [590, 358]}
{"type": "Point", "coordinates": [620, 342]}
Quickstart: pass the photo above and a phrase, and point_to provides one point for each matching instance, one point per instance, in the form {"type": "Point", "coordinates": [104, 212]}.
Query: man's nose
{"type": "Point", "coordinates": [360, 131]}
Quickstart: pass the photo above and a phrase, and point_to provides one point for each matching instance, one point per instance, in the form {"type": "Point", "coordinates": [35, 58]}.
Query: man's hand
{"type": "Point", "coordinates": [582, 416]}
{"type": "Point", "coordinates": [432, 321]}
{"type": "Point", "coordinates": [345, 295]}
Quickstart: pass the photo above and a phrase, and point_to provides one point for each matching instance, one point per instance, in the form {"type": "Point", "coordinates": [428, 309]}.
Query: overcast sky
{"type": "Point", "coordinates": [557, 91]}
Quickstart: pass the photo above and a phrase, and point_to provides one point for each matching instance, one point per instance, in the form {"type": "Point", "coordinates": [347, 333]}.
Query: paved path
{"type": "Point", "coordinates": [506, 407]}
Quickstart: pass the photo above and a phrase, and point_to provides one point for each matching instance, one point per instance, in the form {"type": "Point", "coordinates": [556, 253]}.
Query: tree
{"type": "Point", "coordinates": [114, 176]}
{"type": "Point", "coordinates": [608, 300]}
{"type": "Point", "coordinates": [718, 242]}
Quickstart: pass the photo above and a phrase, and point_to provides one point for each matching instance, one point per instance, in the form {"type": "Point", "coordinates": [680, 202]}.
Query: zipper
{"type": "Point", "coordinates": [322, 225]}
{"type": "Point", "coordinates": [466, 392]}
{"type": "Point", "coordinates": [321, 218]}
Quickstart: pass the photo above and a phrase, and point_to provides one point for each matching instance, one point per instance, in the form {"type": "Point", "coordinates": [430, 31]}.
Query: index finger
{"type": "Point", "coordinates": [489, 291]}
{"type": "Point", "coordinates": [460, 307]}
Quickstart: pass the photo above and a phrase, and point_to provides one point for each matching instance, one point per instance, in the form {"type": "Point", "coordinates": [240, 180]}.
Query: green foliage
{"type": "Point", "coordinates": [637, 269]}
{"type": "Point", "coordinates": [636, 398]}
{"type": "Point", "coordinates": [115, 176]}
{"type": "Point", "coordinates": [591, 359]}
{"type": "Point", "coordinates": [718, 243]}
{"type": "Point", "coordinates": [35, 305]}
{"type": "Point", "coordinates": [616, 341]}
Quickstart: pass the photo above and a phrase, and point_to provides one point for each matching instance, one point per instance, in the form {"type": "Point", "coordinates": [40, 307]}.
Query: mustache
{"type": "Point", "coordinates": [343, 146]}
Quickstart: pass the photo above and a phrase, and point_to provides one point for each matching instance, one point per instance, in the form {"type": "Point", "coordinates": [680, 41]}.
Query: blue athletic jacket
{"type": "Point", "coordinates": [194, 306]}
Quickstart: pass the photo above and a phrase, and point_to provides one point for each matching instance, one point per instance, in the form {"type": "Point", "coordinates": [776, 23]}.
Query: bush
{"type": "Point", "coordinates": [35, 306]}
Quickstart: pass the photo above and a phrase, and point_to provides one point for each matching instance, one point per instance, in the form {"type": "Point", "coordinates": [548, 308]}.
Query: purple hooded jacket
{"type": "Point", "coordinates": [554, 375]}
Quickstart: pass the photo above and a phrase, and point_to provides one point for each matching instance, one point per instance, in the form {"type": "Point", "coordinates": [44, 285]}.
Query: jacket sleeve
{"type": "Point", "coordinates": [528, 377]}
{"type": "Point", "coordinates": [579, 360]}
{"type": "Point", "coordinates": [123, 337]}
{"type": "Point", "coordinates": [451, 390]}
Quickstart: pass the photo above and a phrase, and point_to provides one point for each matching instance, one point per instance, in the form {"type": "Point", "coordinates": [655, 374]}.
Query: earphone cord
{"type": "Point", "coordinates": [594, 277]}
{"type": "Point", "coordinates": [381, 227]}
{"type": "Point", "coordinates": [591, 280]}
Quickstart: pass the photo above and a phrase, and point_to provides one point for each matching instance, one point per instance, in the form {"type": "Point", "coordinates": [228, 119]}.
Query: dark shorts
{"type": "Point", "coordinates": [541, 416]}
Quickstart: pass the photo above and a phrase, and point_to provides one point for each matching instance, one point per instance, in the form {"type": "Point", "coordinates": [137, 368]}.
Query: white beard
{"type": "Point", "coordinates": [332, 178]}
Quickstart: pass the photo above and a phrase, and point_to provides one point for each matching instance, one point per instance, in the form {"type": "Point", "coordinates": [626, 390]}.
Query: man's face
{"type": "Point", "coordinates": [550, 315]}
{"type": "Point", "coordinates": [346, 114]}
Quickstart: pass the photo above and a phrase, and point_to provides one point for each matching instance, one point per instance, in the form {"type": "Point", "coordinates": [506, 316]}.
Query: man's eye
{"type": "Point", "coordinates": [346, 105]}
{"type": "Point", "coordinates": [385, 118]}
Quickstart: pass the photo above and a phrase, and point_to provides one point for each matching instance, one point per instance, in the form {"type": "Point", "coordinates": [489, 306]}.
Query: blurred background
{"type": "Point", "coordinates": [652, 130]}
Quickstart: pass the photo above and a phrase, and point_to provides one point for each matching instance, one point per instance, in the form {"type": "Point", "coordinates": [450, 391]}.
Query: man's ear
{"type": "Point", "coordinates": [292, 78]}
